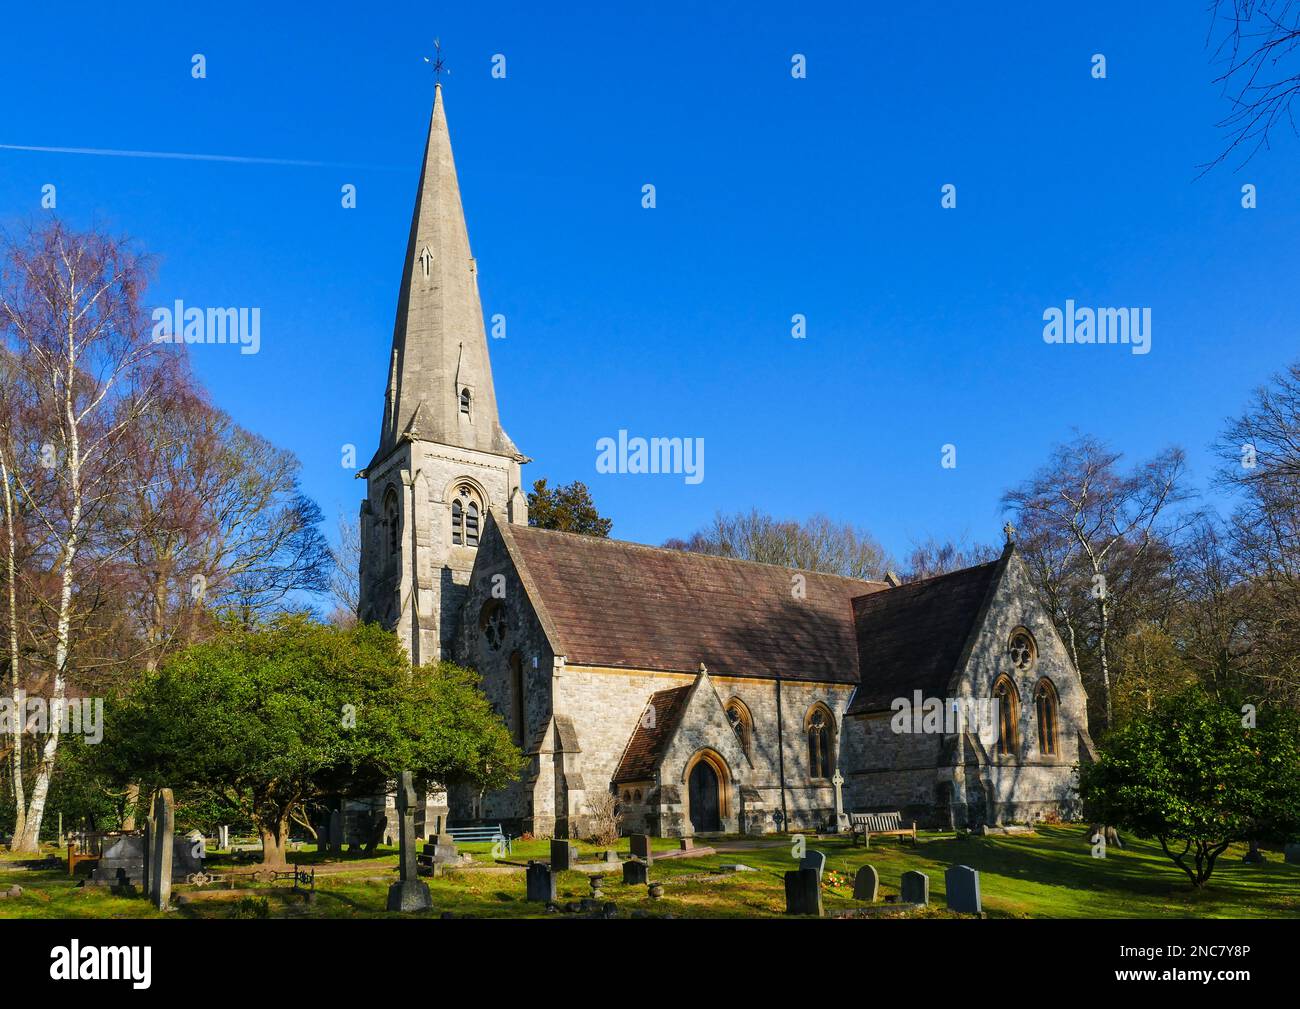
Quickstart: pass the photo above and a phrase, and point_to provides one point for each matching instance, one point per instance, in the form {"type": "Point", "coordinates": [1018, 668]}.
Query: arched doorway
{"type": "Point", "coordinates": [704, 787]}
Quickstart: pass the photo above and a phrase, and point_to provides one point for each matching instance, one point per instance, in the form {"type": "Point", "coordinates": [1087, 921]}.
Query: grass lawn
{"type": "Point", "coordinates": [1050, 874]}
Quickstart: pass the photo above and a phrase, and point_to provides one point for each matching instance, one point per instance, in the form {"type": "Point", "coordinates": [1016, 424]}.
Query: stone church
{"type": "Point", "coordinates": [704, 693]}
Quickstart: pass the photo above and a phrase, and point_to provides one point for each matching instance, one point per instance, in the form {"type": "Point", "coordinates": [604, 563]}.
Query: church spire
{"type": "Point", "coordinates": [440, 379]}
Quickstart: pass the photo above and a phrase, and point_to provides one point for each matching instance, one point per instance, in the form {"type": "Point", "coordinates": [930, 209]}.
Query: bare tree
{"type": "Point", "coordinates": [1256, 44]}
{"type": "Point", "coordinates": [345, 576]}
{"type": "Point", "coordinates": [1096, 533]}
{"type": "Point", "coordinates": [817, 544]}
{"type": "Point", "coordinates": [1261, 463]}
{"type": "Point", "coordinates": [933, 557]}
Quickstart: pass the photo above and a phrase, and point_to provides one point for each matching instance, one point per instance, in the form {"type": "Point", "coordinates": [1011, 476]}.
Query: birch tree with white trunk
{"type": "Point", "coordinates": [80, 359]}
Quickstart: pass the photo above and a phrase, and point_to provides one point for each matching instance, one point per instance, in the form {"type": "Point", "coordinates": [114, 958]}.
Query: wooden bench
{"type": "Point", "coordinates": [885, 824]}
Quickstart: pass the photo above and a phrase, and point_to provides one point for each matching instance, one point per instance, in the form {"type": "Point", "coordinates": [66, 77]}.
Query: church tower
{"type": "Point", "coordinates": [443, 460]}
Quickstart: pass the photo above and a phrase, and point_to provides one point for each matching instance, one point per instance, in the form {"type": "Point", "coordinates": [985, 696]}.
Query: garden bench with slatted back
{"type": "Point", "coordinates": [470, 835]}
{"type": "Point", "coordinates": [865, 824]}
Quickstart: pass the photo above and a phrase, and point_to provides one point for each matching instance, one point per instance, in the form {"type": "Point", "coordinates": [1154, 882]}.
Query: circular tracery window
{"type": "Point", "coordinates": [1022, 649]}
{"type": "Point", "coordinates": [493, 625]}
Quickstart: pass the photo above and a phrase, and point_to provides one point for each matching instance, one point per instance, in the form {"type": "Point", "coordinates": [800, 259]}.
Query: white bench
{"type": "Point", "coordinates": [865, 824]}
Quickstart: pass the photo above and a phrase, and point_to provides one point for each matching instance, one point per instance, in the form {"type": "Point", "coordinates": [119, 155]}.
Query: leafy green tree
{"type": "Point", "coordinates": [1194, 774]}
{"type": "Point", "coordinates": [568, 508]}
{"type": "Point", "coordinates": [268, 719]}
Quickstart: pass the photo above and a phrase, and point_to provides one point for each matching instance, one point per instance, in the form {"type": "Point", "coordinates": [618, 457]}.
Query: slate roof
{"type": "Point", "coordinates": [643, 750]}
{"type": "Point", "coordinates": [611, 603]}
{"type": "Point", "coordinates": [911, 637]}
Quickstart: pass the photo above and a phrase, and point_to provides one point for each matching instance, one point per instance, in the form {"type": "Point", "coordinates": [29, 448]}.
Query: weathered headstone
{"type": "Point", "coordinates": [409, 893]}
{"type": "Point", "coordinates": [962, 884]}
{"type": "Point", "coordinates": [814, 860]}
{"type": "Point", "coordinates": [641, 847]}
{"type": "Point", "coordinates": [915, 888]}
{"type": "Point", "coordinates": [803, 892]}
{"type": "Point", "coordinates": [336, 832]}
{"type": "Point", "coordinates": [866, 884]}
{"type": "Point", "coordinates": [122, 860]}
{"type": "Point", "coordinates": [147, 849]}
{"type": "Point", "coordinates": [1292, 852]}
{"type": "Point", "coordinates": [540, 882]}
{"type": "Point", "coordinates": [635, 872]}
{"type": "Point", "coordinates": [563, 855]}
{"type": "Point", "coordinates": [160, 850]}
{"type": "Point", "coordinates": [686, 843]}
{"type": "Point", "coordinates": [610, 856]}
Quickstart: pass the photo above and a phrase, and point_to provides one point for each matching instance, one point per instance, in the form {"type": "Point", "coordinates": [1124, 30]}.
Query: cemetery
{"type": "Point", "coordinates": [1049, 872]}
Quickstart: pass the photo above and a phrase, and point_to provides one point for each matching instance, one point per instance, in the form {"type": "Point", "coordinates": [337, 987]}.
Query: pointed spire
{"type": "Point", "coordinates": [439, 368]}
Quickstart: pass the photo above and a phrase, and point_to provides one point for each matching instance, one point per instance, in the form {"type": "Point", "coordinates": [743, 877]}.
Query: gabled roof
{"type": "Point", "coordinates": [647, 744]}
{"type": "Point", "coordinates": [913, 637]}
{"type": "Point", "coordinates": [610, 603]}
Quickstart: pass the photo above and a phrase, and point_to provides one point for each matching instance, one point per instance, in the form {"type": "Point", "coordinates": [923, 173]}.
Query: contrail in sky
{"type": "Point", "coordinates": [189, 157]}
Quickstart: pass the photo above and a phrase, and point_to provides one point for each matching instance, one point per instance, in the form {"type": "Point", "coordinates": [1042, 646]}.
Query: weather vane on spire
{"type": "Point", "coordinates": [439, 65]}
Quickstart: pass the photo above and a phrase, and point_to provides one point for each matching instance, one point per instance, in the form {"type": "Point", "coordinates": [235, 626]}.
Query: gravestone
{"type": "Point", "coordinates": [147, 866]}
{"type": "Point", "coordinates": [541, 883]}
{"type": "Point", "coordinates": [803, 892]}
{"type": "Point", "coordinates": [123, 861]}
{"type": "Point", "coordinates": [962, 884]}
{"type": "Point", "coordinates": [160, 850]}
{"type": "Point", "coordinates": [223, 836]}
{"type": "Point", "coordinates": [409, 893]}
{"type": "Point", "coordinates": [641, 847]}
{"type": "Point", "coordinates": [915, 888]}
{"type": "Point", "coordinates": [866, 884]}
{"type": "Point", "coordinates": [814, 860]}
{"type": "Point", "coordinates": [335, 844]}
{"type": "Point", "coordinates": [635, 873]}
{"type": "Point", "coordinates": [611, 856]}
{"type": "Point", "coordinates": [563, 855]}
{"type": "Point", "coordinates": [1292, 852]}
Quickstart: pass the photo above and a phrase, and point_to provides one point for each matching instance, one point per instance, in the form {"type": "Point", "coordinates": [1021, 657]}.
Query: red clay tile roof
{"type": "Point", "coordinates": [642, 754]}
{"type": "Point", "coordinates": [612, 603]}
{"type": "Point", "coordinates": [911, 637]}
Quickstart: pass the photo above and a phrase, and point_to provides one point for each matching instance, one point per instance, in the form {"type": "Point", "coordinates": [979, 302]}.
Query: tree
{"type": "Point", "coordinates": [1258, 51]}
{"type": "Point", "coordinates": [933, 557]}
{"type": "Point", "coordinates": [568, 508]}
{"type": "Point", "coordinates": [1195, 776]}
{"type": "Point", "coordinates": [266, 719]}
{"type": "Point", "coordinates": [1260, 452]}
{"type": "Point", "coordinates": [83, 373]}
{"type": "Point", "coordinates": [1098, 540]}
{"type": "Point", "coordinates": [816, 544]}
{"type": "Point", "coordinates": [345, 573]}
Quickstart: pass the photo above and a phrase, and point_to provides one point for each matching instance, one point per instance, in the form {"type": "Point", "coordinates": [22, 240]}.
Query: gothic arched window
{"type": "Point", "coordinates": [1004, 692]}
{"type": "Point", "coordinates": [467, 511]}
{"type": "Point", "coordinates": [1045, 704]}
{"type": "Point", "coordinates": [739, 717]}
{"type": "Point", "coordinates": [471, 524]}
{"type": "Point", "coordinates": [819, 725]}
{"type": "Point", "coordinates": [464, 401]}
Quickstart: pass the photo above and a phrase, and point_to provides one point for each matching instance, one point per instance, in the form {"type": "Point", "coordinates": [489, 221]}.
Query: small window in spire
{"type": "Point", "coordinates": [464, 402]}
{"type": "Point", "coordinates": [457, 523]}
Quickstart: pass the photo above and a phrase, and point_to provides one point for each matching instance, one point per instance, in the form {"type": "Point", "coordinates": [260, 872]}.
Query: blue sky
{"type": "Point", "coordinates": [775, 196]}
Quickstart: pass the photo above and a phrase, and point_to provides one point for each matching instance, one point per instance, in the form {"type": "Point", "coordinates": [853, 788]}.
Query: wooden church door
{"type": "Point", "coordinates": [704, 797]}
